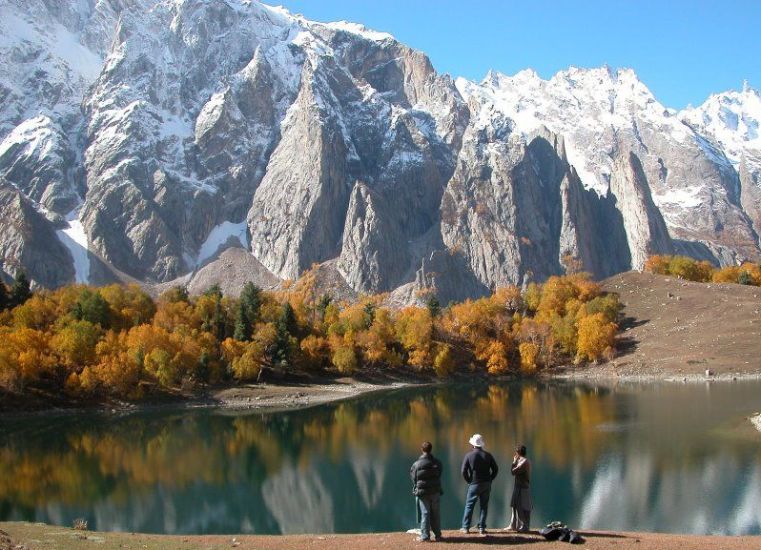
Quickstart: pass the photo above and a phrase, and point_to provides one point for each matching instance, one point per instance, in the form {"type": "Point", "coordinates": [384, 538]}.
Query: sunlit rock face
{"type": "Point", "coordinates": [161, 132]}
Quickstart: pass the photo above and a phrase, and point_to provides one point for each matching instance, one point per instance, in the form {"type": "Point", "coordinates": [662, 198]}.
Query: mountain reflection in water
{"type": "Point", "coordinates": [658, 457]}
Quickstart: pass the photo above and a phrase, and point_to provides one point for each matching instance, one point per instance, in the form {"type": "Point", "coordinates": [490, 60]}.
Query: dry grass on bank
{"type": "Point", "coordinates": [680, 328]}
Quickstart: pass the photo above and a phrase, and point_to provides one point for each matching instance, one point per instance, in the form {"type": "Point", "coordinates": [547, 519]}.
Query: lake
{"type": "Point", "coordinates": [647, 457]}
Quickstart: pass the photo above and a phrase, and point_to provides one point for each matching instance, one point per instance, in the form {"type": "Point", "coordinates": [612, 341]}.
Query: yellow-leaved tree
{"type": "Point", "coordinates": [597, 337]}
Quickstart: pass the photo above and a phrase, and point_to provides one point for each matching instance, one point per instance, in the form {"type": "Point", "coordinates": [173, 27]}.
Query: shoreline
{"type": "Point", "coordinates": [268, 397]}
{"type": "Point", "coordinates": [288, 396]}
{"type": "Point", "coordinates": [34, 536]}
{"type": "Point", "coordinates": [601, 374]}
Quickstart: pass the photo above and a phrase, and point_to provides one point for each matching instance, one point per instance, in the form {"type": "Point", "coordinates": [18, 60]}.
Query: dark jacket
{"type": "Point", "coordinates": [426, 476]}
{"type": "Point", "coordinates": [479, 466]}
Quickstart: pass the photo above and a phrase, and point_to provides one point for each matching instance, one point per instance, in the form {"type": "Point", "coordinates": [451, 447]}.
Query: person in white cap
{"type": "Point", "coordinates": [479, 469]}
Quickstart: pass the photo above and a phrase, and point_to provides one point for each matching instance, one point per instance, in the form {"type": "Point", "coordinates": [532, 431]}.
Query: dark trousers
{"type": "Point", "coordinates": [476, 492]}
{"type": "Point", "coordinates": [430, 517]}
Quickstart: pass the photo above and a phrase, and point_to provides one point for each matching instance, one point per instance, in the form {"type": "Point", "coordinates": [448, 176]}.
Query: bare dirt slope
{"type": "Point", "coordinates": [28, 536]}
{"type": "Point", "coordinates": [679, 328]}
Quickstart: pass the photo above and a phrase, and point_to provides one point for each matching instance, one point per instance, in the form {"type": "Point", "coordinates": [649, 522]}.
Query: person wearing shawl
{"type": "Point", "coordinates": [520, 503]}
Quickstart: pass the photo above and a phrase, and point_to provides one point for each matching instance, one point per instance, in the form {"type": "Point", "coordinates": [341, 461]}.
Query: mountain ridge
{"type": "Point", "coordinates": [238, 124]}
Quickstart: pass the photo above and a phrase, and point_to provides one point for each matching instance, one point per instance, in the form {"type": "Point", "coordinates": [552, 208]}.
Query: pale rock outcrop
{"type": "Point", "coordinates": [645, 229]}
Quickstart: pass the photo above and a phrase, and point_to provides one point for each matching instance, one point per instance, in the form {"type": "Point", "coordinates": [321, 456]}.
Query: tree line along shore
{"type": "Point", "coordinates": [90, 344]}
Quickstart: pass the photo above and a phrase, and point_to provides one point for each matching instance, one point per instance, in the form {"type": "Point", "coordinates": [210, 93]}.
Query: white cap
{"type": "Point", "coordinates": [477, 440]}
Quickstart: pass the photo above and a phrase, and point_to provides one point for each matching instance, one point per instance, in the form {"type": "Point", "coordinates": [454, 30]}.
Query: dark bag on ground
{"type": "Point", "coordinates": [569, 535]}
{"type": "Point", "coordinates": [558, 531]}
{"type": "Point", "coordinates": [551, 533]}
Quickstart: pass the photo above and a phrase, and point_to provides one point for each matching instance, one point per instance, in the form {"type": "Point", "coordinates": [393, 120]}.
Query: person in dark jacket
{"type": "Point", "coordinates": [520, 503]}
{"type": "Point", "coordinates": [426, 486]}
{"type": "Point", "coordinates": [479, 469]}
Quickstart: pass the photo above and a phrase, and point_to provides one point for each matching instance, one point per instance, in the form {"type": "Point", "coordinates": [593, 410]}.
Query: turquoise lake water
{"type": "Point", "coordinates": [652, 457]}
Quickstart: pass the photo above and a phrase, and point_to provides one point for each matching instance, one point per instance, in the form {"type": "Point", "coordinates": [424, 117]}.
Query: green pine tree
{"type": "Point", "coordinates": [285, 327]}
{"type": "Point", "coordinates": [20, 289]}
{"type": "Point", "coordinates": [248, 312]}
{"type": "Point", "coordinates": [243, 327]}
{"type": "Point", "coordinates": [322, 305]}
{"type": "Point", "coordinates": [434, 306]}
{"type": "Point", "coordinates": [92, 307]}
{"type": "Point", "coordinates": [745, 278]}
{"type": "Point", "coordinates": [5, 299]}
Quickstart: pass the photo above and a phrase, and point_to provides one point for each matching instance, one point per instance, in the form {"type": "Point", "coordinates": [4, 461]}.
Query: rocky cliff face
{"type": "Point", "coordinates": [144, 136]}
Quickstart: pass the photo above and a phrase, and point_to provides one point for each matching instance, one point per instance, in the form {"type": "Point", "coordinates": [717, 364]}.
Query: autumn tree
{"type": "Point", "coordinates": [344, 357]}
{"type": "Point", "coordinates": [116, 370]}
{"type": "Point", "coordinates": [38, 312]}
{"type": "Point", "coordinates": [607, 304]}
{"type": "Point", "coordinates": [414, 329]}
{"type": "Point", "coordinates": [529, 352]}
{"type": "Point", "coordinates": [75, 344]}
{"type": "Point", "coordinates": [176, 294]}
{"type": "Point", "coordinates": [25, 357]}
{"type": "Point", "coordinates": [657, 264]}
{"type": "Point", "coordinates": [532, 296]}
{"type": "Point", "coordinates": [174, 315]}
{"type": "Point", "coordinates": [129, 305]}
{"type": "Point", "coordinates": [315, 351]}
{"type": "Point", "coordinates": [444, 362]}
{"type": "Point", "coordinates": [245, 358]}
{"type": "Point", "coordinates": [495, 354]}
{"type": "Point", "coordinates": [689, 269]}
{"type": "Point", "coordinates": [377, 343]}
{"type": "Point", "coordinates": [212, 309]}
{"type": "Point", "coordinates": [596, 337]}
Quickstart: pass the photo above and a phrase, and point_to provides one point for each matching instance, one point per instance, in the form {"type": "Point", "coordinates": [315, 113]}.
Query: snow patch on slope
{"type": "Point", "coordinates": [35, 135]}
{"type": "Point", "coordinates": [688, 197]}
{"type": "Point", "coordinates": [64, 45]}
{"type": "Point", "coordinates": [219, 236]}
{"type": "Point", "coordinates": [361, 30]}
{"type": "Point", "coordinates": [732, 119]}
{"type": "Point", "coordinates": [74, 238]}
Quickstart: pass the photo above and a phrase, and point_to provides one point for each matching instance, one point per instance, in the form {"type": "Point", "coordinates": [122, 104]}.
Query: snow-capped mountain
{"type": "Point", "coordinates": [140, 137]}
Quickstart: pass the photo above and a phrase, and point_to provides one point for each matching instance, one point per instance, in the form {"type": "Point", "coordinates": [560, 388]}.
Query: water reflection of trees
{"type": "Point", "coordinates": [353, 456]}
{"type": "Point", "coordinates": [75, 462]}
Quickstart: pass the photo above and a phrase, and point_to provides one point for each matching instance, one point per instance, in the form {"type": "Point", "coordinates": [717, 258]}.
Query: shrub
{"type": "Point", "coordinates": [596, 335]}
{"type": "Point", "coordinates": [529, 353]}
{"type": "Point", "coordinates": [444, 363]}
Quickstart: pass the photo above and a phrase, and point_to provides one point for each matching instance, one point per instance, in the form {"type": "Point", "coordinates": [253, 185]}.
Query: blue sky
{"type": "Point", "coordinates": [682, 50]}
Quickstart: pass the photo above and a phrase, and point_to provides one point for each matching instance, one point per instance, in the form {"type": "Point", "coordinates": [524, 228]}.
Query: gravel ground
{"type": "Point", "coordinates": [29, 536]}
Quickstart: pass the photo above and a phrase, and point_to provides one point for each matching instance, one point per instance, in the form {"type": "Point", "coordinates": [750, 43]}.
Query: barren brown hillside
{"type": "Point", "coordinates": [679, 328]}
